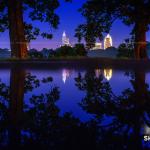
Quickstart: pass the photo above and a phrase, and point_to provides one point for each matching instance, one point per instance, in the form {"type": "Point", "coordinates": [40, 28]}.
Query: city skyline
{"type": "Point", "coordinates": [118, 32]}
{"type": "Point", "coordinates": [108, 41]}
{"type": "Point", "coordinates": [65, 40]}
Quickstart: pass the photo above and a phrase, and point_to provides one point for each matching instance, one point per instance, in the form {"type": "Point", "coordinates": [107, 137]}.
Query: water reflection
{"type": "Point", "coordinates": [17, 118]}
{"type": "Point", "coordinates": [15, 110]}
{"type": "Point", "coordinates": [117, 122]}
{"type": "Point", "coordinates": [97, 72]}
{"type": "Point", "coordinates": [66, 73]}
{"type": "Point", "coordinates": [127, 112]}
{"type": "Point", "coordinates": [107, 73]}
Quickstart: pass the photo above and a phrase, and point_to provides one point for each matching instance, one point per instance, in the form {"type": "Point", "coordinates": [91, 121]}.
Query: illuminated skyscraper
{"type": "Point", "coordinates": [108, 41]}
{"type": "Point", "coordinates": [97, 46]}
{"type": "Point", "coordinates": [65, 40]}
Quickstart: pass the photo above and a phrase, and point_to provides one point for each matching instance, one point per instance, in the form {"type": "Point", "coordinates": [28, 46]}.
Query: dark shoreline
{"type": "Point", "coordinates": [77, 62]}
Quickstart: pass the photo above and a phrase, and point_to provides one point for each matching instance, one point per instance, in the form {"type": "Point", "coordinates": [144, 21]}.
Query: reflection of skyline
{"type": "Point", "coordinates": [107, 73]}
{"type": "Point", "coordinates": [42, 118]}
{"type": "Point", "coordinates": [97, 72]}
{"type": "Point", "coordinates": [65, 74]}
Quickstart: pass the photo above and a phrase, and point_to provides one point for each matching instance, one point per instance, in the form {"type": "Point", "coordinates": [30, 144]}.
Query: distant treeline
{"type": "Point", "coordinates": [126, 49]}
{"type": "Point", "coordinates": [63, 51]}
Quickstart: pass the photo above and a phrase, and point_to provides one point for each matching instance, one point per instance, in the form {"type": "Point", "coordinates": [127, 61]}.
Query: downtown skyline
{"type": "Point", "coordinates": [70, 18]}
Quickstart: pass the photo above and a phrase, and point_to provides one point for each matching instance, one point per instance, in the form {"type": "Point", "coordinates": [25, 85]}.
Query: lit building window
{"type": "Point", "coordinates": [97, 46]}
{"type": "Point", "coordinates": [65, 40]}
{"type": "Point", "coordinates": [108, 42]}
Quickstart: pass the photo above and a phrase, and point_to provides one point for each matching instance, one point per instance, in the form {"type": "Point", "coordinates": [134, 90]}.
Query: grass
{"type": "Point", "coordinates": [40, 59]}
{"type": "Point", "coordinates": [68, 58]}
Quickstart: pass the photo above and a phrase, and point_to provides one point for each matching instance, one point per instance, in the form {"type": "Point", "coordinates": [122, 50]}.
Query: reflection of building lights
{"type": "Point", "coordinates": [108, 74]}
{"type": "Point", "coordinates": [65, 75]}
{"type": "Point", "coordinates": [97, 73]}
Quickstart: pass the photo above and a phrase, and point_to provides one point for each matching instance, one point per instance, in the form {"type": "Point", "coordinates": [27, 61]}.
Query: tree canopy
{"type": "Point", "coordinates": [22, 30]}
{"type": "Point", "coordinates": [101, 14]}
{"type": "Point", "coordinates": [36, 10]}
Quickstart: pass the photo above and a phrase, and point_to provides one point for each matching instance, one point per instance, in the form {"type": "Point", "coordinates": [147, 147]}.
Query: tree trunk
{"type": "Point", "coordinates": [140, 41]}
{"type": "Point", "coordinates": [16, 29]}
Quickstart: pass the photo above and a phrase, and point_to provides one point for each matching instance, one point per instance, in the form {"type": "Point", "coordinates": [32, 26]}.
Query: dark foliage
{"type": "Point", "coordinates": [43, 11]}
{"type": "Point", "coordinates": [77, 50]}
{"type": "Point", "coordinates": [126, 49]}
{"type": "Point", "coordinates": [116, 121]}
{"type": "Point", "coordinates": [33, 53]}
{"type": "Point", "coordinates": [101, 14]}
{"type": "Point", "coordinates": [80, 49]}
{"type": "Point", "coordinates": [65, 51]}
{"type": "Point", "coordinates": [120, 118]}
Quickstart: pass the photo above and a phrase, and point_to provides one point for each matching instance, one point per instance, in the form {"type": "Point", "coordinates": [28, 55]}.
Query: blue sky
{"type": "Point", "coordinates": [70, 18]}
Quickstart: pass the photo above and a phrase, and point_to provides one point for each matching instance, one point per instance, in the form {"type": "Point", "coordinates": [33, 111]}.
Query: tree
{"type": "Point", "coordinates": [126, 49]}
{"type": "Point", "coordinates": [103, 13]}
{"type": "Point", "coordinates": [21, 32]}
{"type": "Point", "coordinates": [90, 32]}
{"type": "Point", "coordinates": [16, 29]}
{"type": "Point", "coordinates": [48, 53]}
{"type": "Point", "coordinates": [65, 51]}
{"type": "Point", "coordinates": [33, 53]}
{"type": "Point", "coordinates": [87, 32]}
{"type": "Point", "coordinates": [80, 49]}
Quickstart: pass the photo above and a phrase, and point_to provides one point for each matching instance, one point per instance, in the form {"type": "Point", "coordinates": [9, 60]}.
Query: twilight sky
{"type": "Point", "coordinates": [70, 18]}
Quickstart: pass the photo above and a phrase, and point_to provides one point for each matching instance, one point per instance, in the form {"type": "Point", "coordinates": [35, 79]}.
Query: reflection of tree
{"type": "Point", "coordinates": [48, 129]}
{"type": "Point", "coordinates": [39, 123]}
{"type": "Point", "coordinates": [40, 116]}
{"type": "Point", "coordinates": [4, 90]}
{"type": "Point", "coordinates": [124, 114]}
{"type": "Point", "coordinates": [116, 122]}
{"type": "Point", "coordinates": [98, 93]}
{"type": "Point", "coordinates": [66, 73]}
{"type": "Point", "coordinates": [17, 81]}
{"type": "Point", "coordinates": [12, 106]}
